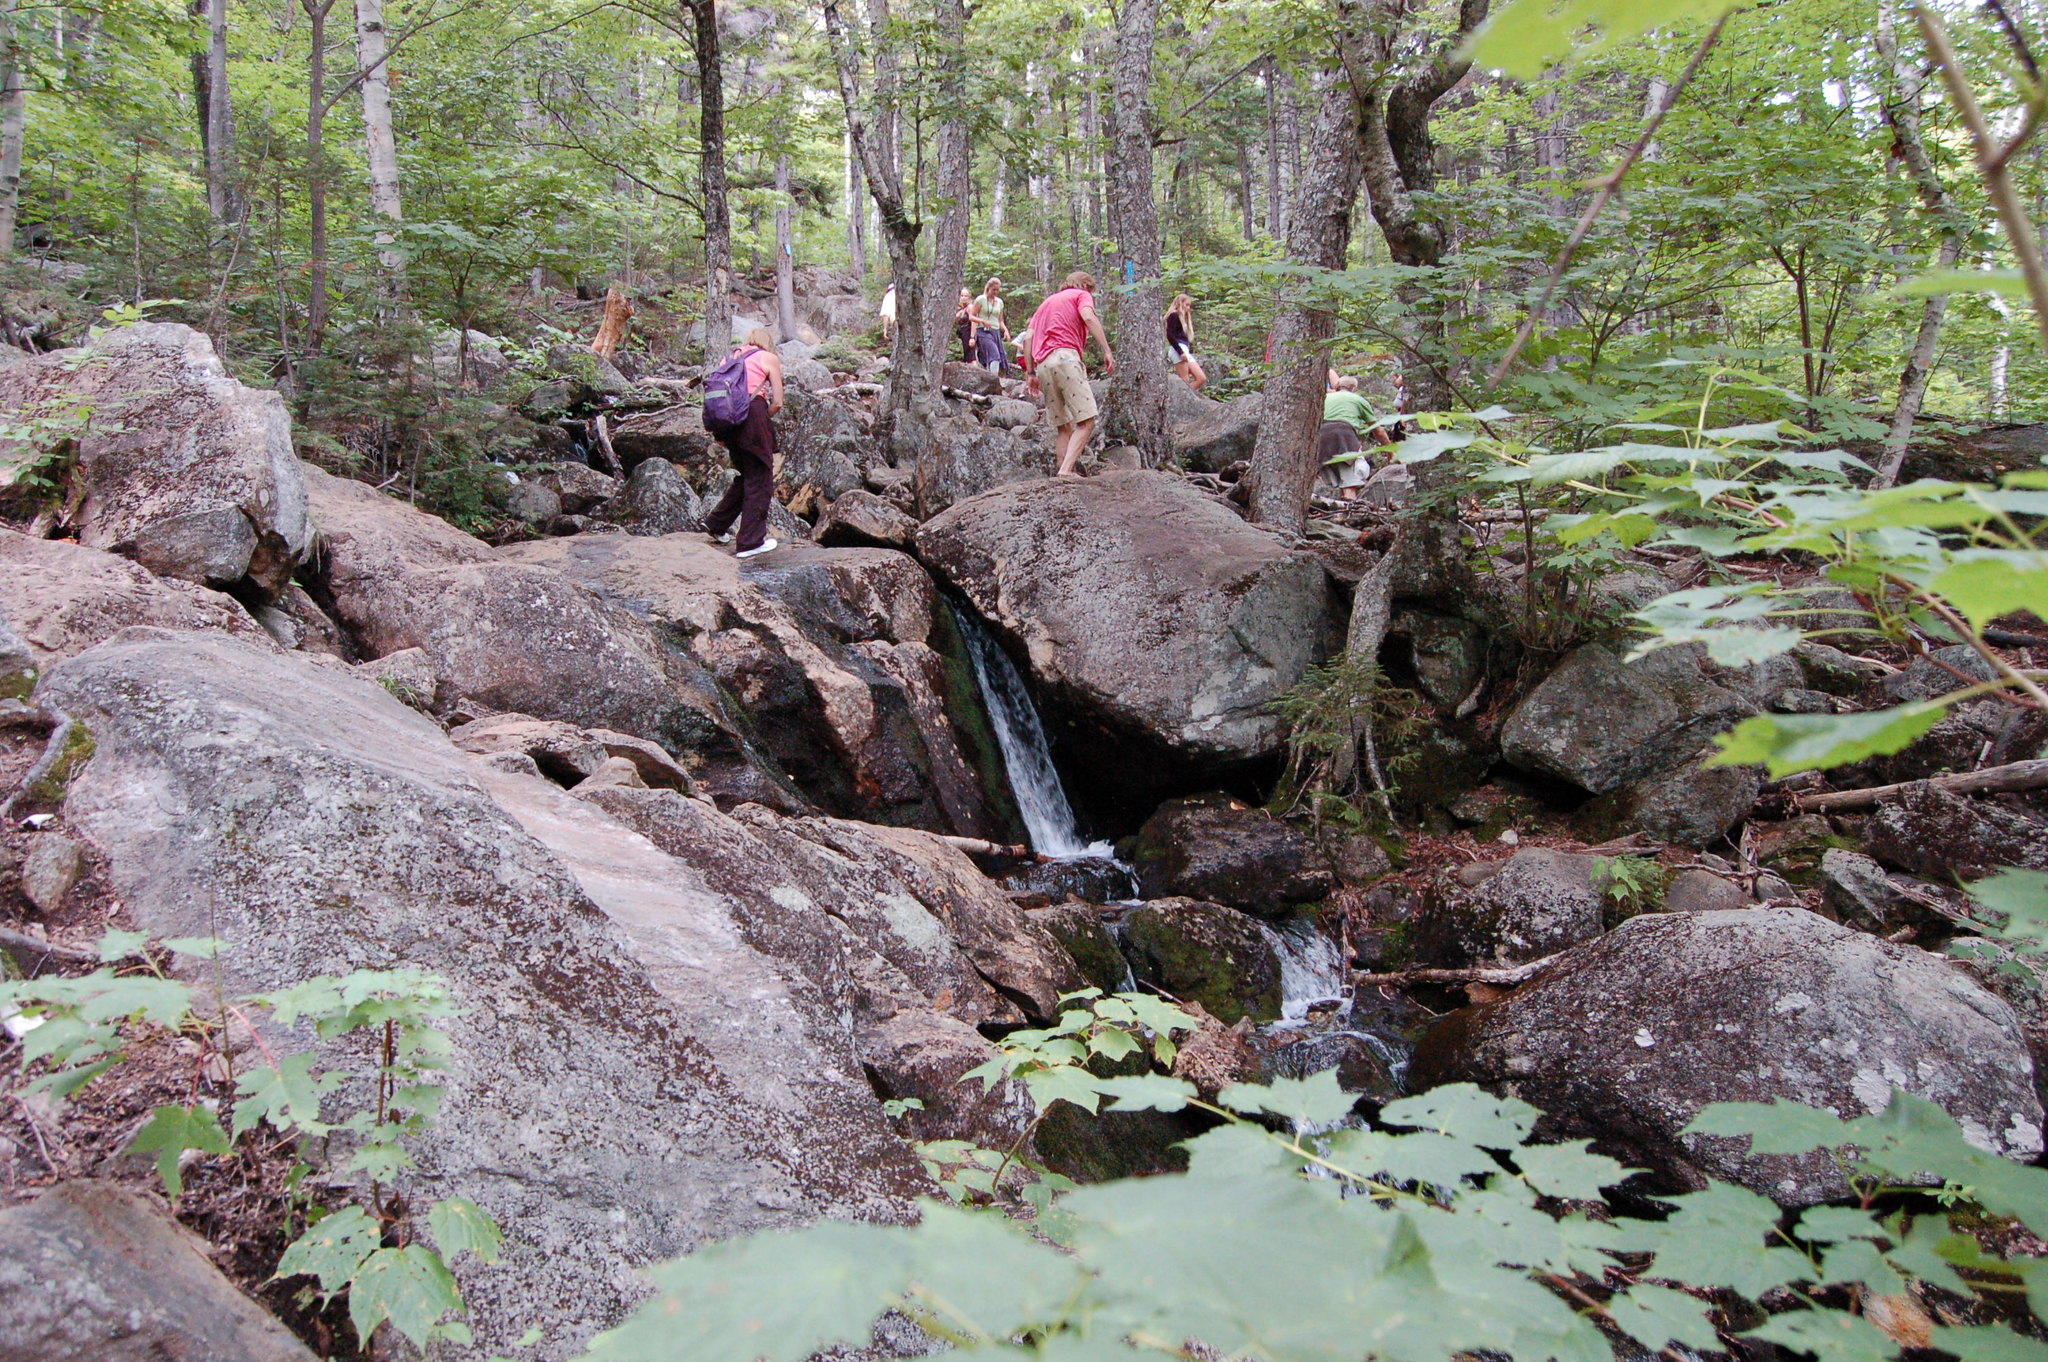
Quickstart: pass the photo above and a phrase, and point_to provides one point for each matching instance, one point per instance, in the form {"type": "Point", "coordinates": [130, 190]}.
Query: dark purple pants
{"type": "Point", "coordinates": [752, 446]}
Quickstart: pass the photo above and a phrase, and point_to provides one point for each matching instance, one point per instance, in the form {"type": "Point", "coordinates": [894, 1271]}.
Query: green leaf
{"type": "Point", "coordinates": [1425, 1157]}
{"type": "Point", "coordinates": [1775, 1127]}
{"type": "Point", "coordinates": [982, 1276]}
{"type": "Point", "coordinates": [1656, 1315]}
{"type": "Point", "coordinates": [2003, 283]}
{"type": "Point", "coordinates": [1919, 1253]}
{"type": "Point", "coordinates": [1785, 743]}
{"type": "Point", "coordinates": [1984, 584]}
{"type": "Point", "coordinates": [1148, 1092]}
{"type": "Point", "coordinates": [1716, 1238]}
{"type": "Point", "coordinates": [1065, 1083]}
{"type": "Point", "coordinates": [287, 1096]}
{"type": "Point", "coordinates": [1317, 1100]}
{"type": "Point", "coordinates": [1523, 38]}
{"type": "Point", "coordinates": [1858, 1260]}
{"type": "Point", "coordinates": [1112, 1042]}
{"type": "Point", "coordinates": [1989, 1343]}
{"type": "Point", "coordinates": [1238, 1150]}
{"type": "Point", "coordinates": [1568, 1170]}
{"type": "Point", "coordinates": [460, 1226]}
{"type": "Point", "coordinates": [1468, 1112]}
{"type": "Point", "coordinates": [118, 944]}
{"type": "Point", "coordinates": [1836, 1224]}
{"type": "Point", "coordinates": [202, 947]}
{"type": "Point", "coordinates": [169, 1132]}
{"type": "Point", "coordinates": [409, 1286]}
{"type": "Point", "coordinates": [332, 1249]}
{"type": "Point", "coordinates": [781, 1297]}
{"type": "Point", "coordinates": [1429, 444]}
{"type": "Point", "coordinates": [1829, 1335]}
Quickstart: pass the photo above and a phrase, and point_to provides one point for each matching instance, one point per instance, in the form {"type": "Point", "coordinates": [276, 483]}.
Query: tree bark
{"type": "Point", "coordinates": [785, 255]}
{"type": "Point", "coordinates": [223, 196]}
{"type": "Point", "coordinates": [316, 174]}
{"type": "Point", "coordinates": [1901, 110]}
{"type": "Point", "coordinates": [856, 216]}
{"type": "Point", "coordinates": [711, 182]}
{"type": "Point", "coordinates": [13, 125]}
{"type": "Point", "coordinates": [1276, 225]}
{"type": "Point", "coordinates": [618, 312]}
{"type": "Point", "coordinates": [910, 377]}
{"type": "Point", "coordinates": [380, 139]}
{"type": "Point", "coordinates": [1284, 467]}
{"type": "Point", "coordinates": [1137, 403]}
{"type": "Point", "coordinates": [955, 182]}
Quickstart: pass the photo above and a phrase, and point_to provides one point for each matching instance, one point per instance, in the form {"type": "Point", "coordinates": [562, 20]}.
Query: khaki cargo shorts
{"type": "Point", "coordinates": [1068, 399]}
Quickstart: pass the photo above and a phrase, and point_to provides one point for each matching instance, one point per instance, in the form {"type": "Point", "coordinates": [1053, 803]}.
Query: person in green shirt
{"type": "Point", "coordinates": [1348, 421]}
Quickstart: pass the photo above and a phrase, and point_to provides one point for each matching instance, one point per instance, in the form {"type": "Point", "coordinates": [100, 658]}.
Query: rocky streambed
{"type": "Point", "coordinates": [712, 854]}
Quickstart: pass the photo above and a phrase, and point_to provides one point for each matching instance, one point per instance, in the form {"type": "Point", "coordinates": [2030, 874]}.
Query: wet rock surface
{"type": "Point", "coordinates": [1205, 953]}
{"type": "Point", "coordinates": [1627, 1037]}
{"type": "Point", "coordinates": [1216, 848]}
{"type": "Point", "coordinates": [1535, 903]}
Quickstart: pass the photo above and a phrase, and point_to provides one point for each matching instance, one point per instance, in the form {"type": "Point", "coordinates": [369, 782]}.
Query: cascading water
{"type": "Point", "coordinates": [1034, 780]}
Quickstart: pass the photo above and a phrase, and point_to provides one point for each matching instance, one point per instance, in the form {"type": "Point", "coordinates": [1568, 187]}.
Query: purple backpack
{"type": "Point", "coordinates": [726, 398]}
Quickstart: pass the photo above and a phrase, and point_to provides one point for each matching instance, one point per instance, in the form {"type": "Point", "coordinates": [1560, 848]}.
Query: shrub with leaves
{"type": "Point", "coordinates": [73, 1030]}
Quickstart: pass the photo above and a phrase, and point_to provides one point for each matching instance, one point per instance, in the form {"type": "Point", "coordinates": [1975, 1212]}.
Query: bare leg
{"type": "Point", "coordinates": [1061, 441]}
{"type": "Point", "coordinates": [1074, 441]}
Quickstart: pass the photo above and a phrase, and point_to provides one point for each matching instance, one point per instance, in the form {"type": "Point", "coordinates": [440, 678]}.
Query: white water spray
{"type": "Point", "coordinates": [1034, 780]}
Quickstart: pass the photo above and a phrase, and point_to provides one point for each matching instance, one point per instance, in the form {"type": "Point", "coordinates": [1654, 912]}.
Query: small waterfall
{"type": "Point", "coordinates": [1034, 780]}
{"type": "Point", "coordinates": [1311, 968]}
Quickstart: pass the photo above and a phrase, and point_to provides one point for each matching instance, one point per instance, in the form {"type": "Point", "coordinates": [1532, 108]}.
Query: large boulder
{"type": "Point", "coordinates": [674, 433]}
{"type": "Point", "coordinates": [1217, 848]}
{"type": "Point", "coordinates": [1535, 903]}
{"type": "Point", "coordinates": [1929, 831]}
{"type": "Point", "coordinates": [1626, 1038]}
{"type": "Point", "coordinates": [823, 446]}
{"type": "Point", "coordinates": [1210, 436]}
{"type": "Point", "coordinates": [181, 468]}
{"type": "Point", "coordinates": [656, 500]}
{"type": "Point", "coordinates": [860, 519]}
{"type": "Point", "coordinates": [64, 597]}
{"type": "Point", "coordinates": [1157, 627]}
{"type": "Point", "coordinates": [1205, 953]}
{"type": "Point", "coordinates": [838, 659]}
{"type": "Point", "coordinates": [629, 1076]}
{"type": "Point", "coordinates": [90, 1270]}
{"type": "Point", "coordinates": [1601, 722]}
{"type": "Point", "coordinates": [963, 458]}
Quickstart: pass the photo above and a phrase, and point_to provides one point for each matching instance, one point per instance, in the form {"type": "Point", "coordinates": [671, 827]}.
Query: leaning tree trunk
{"type": "Point", "coordinates": [13, 124]}
{"type": "Point", "coordinates": [785, 256]}
{"type": "Point", "coordinates": [856, 214]}
{"type": "Point", "coordinates": [711, 182]}
{"type": "Point", "coordinates": [955, 183]}
{"type": "Point", "coordinates": [1901, 111]}
{"type": "Point", "coordinates": [1137, 406]}
{"type": "Point", "coordinates": [910, 382]}
{"type": "Point", "coordinates": [1284, 466]}
{"type": "Point", "coordinates": [381, 140]}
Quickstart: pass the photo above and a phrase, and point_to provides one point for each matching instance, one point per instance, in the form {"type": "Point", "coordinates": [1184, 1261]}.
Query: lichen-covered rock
{"type": "Point", "coordinates": [920, 1054]}
{"type": "Point", "coordinates": [182, 468]}
{"type": "Point", "coordinates": [1446, 654]}
{"type": "Point", "coordinates": [1533, 904]}
{"type": "Point", "coordinates": [1602, 722]}
{"type": "Point", "coordinates": [963, 458]}
{"type": "Point", "coordinates": [1692, 804]}
{"type": "Point", "coordinates": [1205, 953]}
{"type": "Point", "coordinates": [675, 434]}
{"type": "Point", "coordinates": [90, 1270]}
{"type": "Point", "coordinates": [1157, 626]}
{"type": "Point", "coordinates": [1078, 927]}
{"type": "Point", "coordinates": [1929, 831]}
{"type": "Point", "coordinates": [1217, 848]}
{"type": "Point", "coordinates": [1210, 436]}
{"type": "Point", "coordinates": [628, 1077]}
{"type": "Point", "coordinates": [18, 665]}
{"type": "Point", "coordinates": [1626, 1038]}
{"type": "Point", "coordinates": [656, 500]}
{"type": "Point", "coordinates": [1083, 879]}
{"type": "Point", "coordinates": [971, 378]}
{"type": "Point", "coordinates": [859, 519]}
{"type": "Point", "coordinates": [64, 598]}
{"type": "Point", "coordinates": [582, 488]}
{"type": "Point", "coordinates": [51, 870]}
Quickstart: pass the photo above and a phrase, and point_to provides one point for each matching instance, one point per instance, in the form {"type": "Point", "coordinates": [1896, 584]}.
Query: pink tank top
{"type": "Point", "coordinates": [757, 375]}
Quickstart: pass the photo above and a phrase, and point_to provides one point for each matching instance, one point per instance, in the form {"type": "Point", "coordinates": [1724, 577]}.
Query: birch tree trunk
{"type": "Point", "coordinates": [380, 139]}
{"type": "Point", "coordinates": [712, 184]}
{"type": "Point", "coordinates": [1284, 466]}
{"type": "Point", "coordinates": [13, 127]}
{"type": "Point", "coordinates": [1901, 110]}
{"type": "Point", "coordinates": [1137, 401]}
{"type": "Point", "coordinates": [785, 255]}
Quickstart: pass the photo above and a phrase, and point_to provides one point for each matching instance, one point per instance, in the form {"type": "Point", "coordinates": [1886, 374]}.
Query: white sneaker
{"type": "Point", "coordinates": [764, 546]}
{"type": "Point", "coordinates": [726, 538]}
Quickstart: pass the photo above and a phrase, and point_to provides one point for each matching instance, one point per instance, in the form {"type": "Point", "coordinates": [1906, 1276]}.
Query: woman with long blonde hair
{"type": "Point", "coordinates": [1180, 341]}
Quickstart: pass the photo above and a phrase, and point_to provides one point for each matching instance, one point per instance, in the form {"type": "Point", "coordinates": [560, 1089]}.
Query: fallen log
{"type": "Point", "coordinates": [2013, 776]}
{"type": "Point", "coordinates": [618, 310]}
{"type": "Point", "coordinates": [22, 941]}
{"type": "Point", "coordinates": [1498, 976]}
{"type": "Point", "coordinates": [604, 444]}
{"type": "Point", "coordinates": [980, 846]}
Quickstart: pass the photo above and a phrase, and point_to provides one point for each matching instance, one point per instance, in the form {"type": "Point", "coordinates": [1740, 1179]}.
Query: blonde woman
{"type": "Point", "coordinates": [989, 330]}
{"type": "Point", "coordinates": [751, 443]}
{"type": "Point", "coordinates": [1180, 342]}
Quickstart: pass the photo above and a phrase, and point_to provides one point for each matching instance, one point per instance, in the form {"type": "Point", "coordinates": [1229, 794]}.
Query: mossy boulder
{"type": "Point", "coordinates": [17, 664]}
{"type": "Point", "coordinates": [1078, 927]}
{"type": "Point", "coordinates": [1205, 953]}
{"type": "Point", "coordinates": [1216, 848]}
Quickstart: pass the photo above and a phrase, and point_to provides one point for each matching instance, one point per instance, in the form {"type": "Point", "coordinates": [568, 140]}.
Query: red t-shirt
{"type": "Point", "coordinates": [1057, 324]}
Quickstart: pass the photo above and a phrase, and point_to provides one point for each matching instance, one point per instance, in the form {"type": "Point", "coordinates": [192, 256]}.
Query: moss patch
{"type": "Point", "coordinates": [78, 750]}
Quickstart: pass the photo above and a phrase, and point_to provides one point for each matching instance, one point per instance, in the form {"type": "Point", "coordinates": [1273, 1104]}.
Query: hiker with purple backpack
{"type": "Point", "coordinates": [740, 397]}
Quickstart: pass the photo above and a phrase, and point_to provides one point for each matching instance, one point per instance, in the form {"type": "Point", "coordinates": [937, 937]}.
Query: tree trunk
{"type": "Point", "coordinates": [1901, 110]}
{"type": "Point", "coordinates": [711, 183]}
{"type": "Point", "coordinates": [217, 128]}
{"type": "Point", "coordinates": [380, 139]}
{"type": "Point", "coordinates": [856, 216]}
{"type": "Point", "coordinates": [910, 381]}
{"type": "Point", "coordinates": [13, 124]}
{"type": "Point", "coordinates": [955, 182]}
{"type": "Point", "coordinates": [1275, 224]}
{"type": "Point", "coordinates": [1137, 402]}
{"type": "Point", "coordinates": [785, 255]}
{"type": "Point", "coordinates": [316, 174]}
{"type": "Point", "coordinates": [1284, 467]}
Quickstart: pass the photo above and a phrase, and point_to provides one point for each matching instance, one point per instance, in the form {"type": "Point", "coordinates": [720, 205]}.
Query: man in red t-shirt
{"type": "Point", "coordinates": [1052, 361]}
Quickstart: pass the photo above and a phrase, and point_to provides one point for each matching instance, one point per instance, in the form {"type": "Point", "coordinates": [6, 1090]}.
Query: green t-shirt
{"type": "Point", "coordinates": [1351, 408]}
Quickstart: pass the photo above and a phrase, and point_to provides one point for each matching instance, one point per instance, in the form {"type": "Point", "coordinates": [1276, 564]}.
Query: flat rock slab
{"type": "Point", "coordinates": [89, 1270]}
{"type": "Point", "coordinates": [64, 597]}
